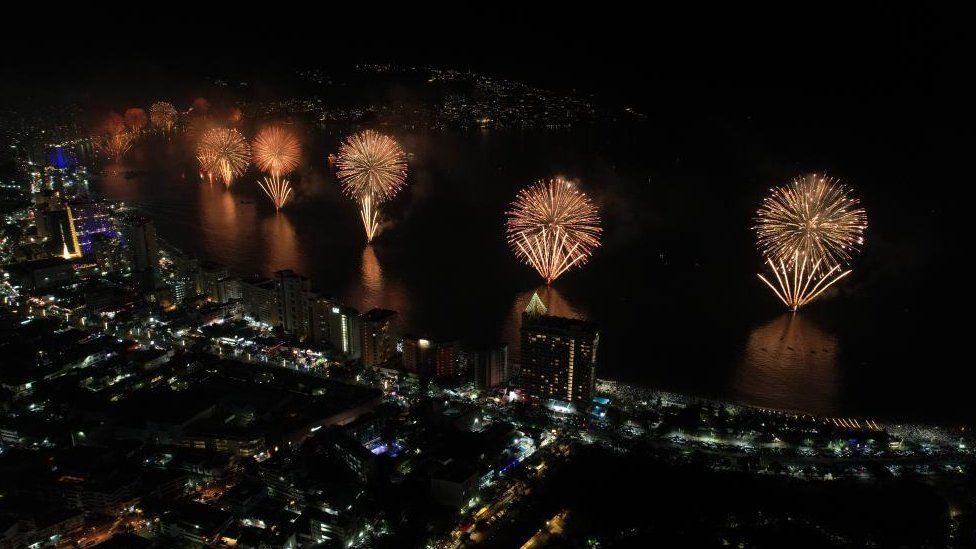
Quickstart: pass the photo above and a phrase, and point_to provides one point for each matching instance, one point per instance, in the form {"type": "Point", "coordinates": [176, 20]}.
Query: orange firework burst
{"type": "Point", "coordinates": [277, 189]}
{"type": "Point", "coordinates": [808, 231]}
{"type": "Point", "coordinates": [223, 152]}
{"type": "Point", "coordinates": [372, 168]}
{"type": "Point", "coordinates": [163, 115]}
{"type": "Point", "coordinates": [553, 226]}
{"type": "Point", "coordinates": [276, 150]}
{"type": "Point", "coordinates": [135, 119]}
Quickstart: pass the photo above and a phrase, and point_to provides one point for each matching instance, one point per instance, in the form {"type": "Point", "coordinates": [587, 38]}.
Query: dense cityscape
{"type": "Point", "coordinates": [152, 396]}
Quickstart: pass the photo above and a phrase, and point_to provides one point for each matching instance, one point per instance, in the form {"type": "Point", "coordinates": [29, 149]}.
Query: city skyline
{"type": "Point", "coordinates": [480, 286]}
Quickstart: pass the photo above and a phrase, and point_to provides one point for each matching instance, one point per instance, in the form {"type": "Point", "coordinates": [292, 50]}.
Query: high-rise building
{"type": "Point", "coordinates": [445, 358]}
{"type": "Point", "coordinates": [558, 358]}
{"type": "Point", "coordinates": [416, 354]}
{"type": "Point", "coordinates": [338, 324]}
{"type": "Point", "coordinates": [228, 289]}
{"type": "Point", "coordinates": [491, 366]}
{"type": "Point", "coordinates": [260, 299]}
{"type": "Point", "coordinates": [139, 234]}
{"type": "Point", "coordinates": [208, 275]}
{"type": "Point", "coordinates": [295, 303]}
{"type": "Point", "coordinates": [379, 336]}
{"type": "Point", "coordinates": [183, 276]}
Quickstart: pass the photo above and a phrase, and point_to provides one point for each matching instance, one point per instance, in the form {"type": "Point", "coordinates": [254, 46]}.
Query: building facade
{"type": "Point", "coordinates": [558, 356]}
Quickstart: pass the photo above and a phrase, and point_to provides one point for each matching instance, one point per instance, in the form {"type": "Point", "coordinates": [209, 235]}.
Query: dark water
{"type": "Point", "coordinates": [673, 286]}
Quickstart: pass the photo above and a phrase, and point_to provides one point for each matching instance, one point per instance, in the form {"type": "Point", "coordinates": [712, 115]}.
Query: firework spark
{"type": "Point", "coordinates": [813, 215]}
{"type": "Point", "coordinates": [553, 227]}
{"type": "Point", "coordinates": [223, 152]}
{"type": "Point", "coordinates": [808, 232]}
{"type": "Point", "coordinates": [372, 168]}
{"type": "Point", "coordinates": [799, 281]}
{"type": "Point", "coordinates": [115, 146]}
{"type": "Point", "coordinates": [276, 150]}
{"type": "Point", "coordinates": [163, 115]}
{"type": "Point", "coordinates": [277, 189]}
{"type": "Point", "coordinates": [135, 119]}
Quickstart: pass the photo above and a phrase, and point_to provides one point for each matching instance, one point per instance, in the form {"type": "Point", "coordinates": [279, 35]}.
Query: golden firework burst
{"type": "Point", "coordinates": [223, 152]}
{"type": "Point", "coordinates": [276, 150]}
{"type": "Point", "coordinates": [553, 227]}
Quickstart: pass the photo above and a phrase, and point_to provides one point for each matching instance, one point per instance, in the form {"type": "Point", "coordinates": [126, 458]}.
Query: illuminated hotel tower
{"type": "Point", "coordinates": [558, 357]}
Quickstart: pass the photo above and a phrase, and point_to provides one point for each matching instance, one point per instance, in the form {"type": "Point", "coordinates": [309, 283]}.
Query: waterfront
{"type": "Point", "coordinates": [666, 278]}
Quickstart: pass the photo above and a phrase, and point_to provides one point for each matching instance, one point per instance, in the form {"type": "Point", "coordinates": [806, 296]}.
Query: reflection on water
{"type": "Point", "coordinates": [448, 272]}
{"type": "Point", "coordinates": [555, 304]}
{"type": "Point", "coordinates": [373, 289]}
{"type": "Point", "coordinates": [789, 360]}
{"type": "Point", "coordinates": [228, 226]}
{"type": "Point", "coordinates": [281, 248]}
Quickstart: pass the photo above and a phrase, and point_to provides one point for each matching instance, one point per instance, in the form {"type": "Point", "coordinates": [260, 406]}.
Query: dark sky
{"type": "Point", "coordinates": [621, 52]}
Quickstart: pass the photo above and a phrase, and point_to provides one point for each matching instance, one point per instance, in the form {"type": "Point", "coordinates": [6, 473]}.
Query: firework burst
{"type": "Point", "coordinates": [553, 227]}
{"type": "Point", "coordinates": [224, 153]}
{"type": "Point", "coordinates": [135, 119]}
{"type": "Point", "coordinates": [813, 215]}
{"type": "Point", "coordinates": [163, 115]}
{"type": "Point", "coordinates": [115, 146]}
{"type": "Point", "coordinates": [808, 231]}
{"type": "Point", "coordinates": [372, 168]}
{"type": "Point", "coordinates": [277, 189]}
{"type": "Point", "coordinates": [276, 150]}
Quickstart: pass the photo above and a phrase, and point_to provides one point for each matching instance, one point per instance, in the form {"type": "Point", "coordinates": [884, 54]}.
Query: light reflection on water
{"type": "Point", "coordinates": [789, 360]}
{"type": "Point", "coordinates": [281, 246]}
{"type": "Point", "coordinates": [443, 264]}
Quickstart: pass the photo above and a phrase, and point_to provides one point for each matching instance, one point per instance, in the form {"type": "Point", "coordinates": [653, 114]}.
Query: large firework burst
{"type": "Point", "coordinates": [276, 150]}
{"type": "Point", "coordinates": [372, 168]}
{"type": "Point", "coordinates": [223, 152]}
{"type": "Point", "coordinates": [807, 231]}
{"type": "Point", "coordinates": [371, 163]}
{"type": "Point", "coordinates": [163, 115]}
{"type": "Point", "coordinates": [277, 189]}
{"type": "Point", "coordinates": [813, 215]}
{"type": "Point", "coordinates": [553, 226]}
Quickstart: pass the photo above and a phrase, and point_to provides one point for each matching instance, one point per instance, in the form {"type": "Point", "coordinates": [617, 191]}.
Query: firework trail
{"type": "Point", "coordinates": [808, 232]}
{"type": "Point", "coordinates": [277, 189]}
{"type": "Point", "coordinates": [115, 146]}
{"type": "Point", "coordinates": [224, 153]}
{"type": "Point", "coordinates": [372, 168]}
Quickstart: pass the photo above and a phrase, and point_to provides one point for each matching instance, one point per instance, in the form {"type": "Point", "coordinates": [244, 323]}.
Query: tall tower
{"type": "Point", "coordinates": [344, 330]}
{"type": "Point", "coordinates": [294, 303]}
{"type": "Point", "coordinates": [139, 234]}
{"type": "Point", "coordinates": [379, 336]}
{"type": "Point", "coordinates": [558, 359]}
